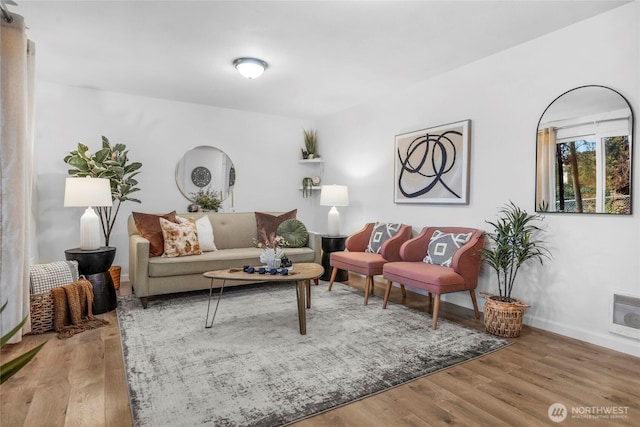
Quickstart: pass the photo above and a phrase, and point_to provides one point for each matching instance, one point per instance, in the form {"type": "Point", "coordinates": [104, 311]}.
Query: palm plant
{"type": "Point", "coordinates": [514, 241]}
{"type": "Point", "coordinates": [8, 369]}
{"type": "Point", "coordinates": [109, 162]}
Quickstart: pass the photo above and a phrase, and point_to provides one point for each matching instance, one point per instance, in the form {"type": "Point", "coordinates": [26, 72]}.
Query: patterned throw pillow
{"type": "Point", "coordinates": [44, 277]}
{"type": "Point", "coordinates": [380, 234]}
{"type": "Point", "coordinates": [443, 246]}
{"type": "Point", "coordinates": [180, 239]}
{"type": "Point", "coordinates": [149, 227]}
{"type": "Point", "coordinates": [267, 225]}
{"type": "Point", "coordinates": [294, 233]}
{"type": "Point", "coordinates": [205, 233]}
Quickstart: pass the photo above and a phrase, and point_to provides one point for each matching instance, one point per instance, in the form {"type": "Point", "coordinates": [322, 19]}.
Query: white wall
{"type": "Point", "coordinates": [265, 151]}
{"type": "Point", "coordinates": [504, 96]}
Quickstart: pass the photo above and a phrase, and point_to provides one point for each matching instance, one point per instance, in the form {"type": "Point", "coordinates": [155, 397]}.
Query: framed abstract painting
{"type": "Point", "coordinates": [432, 165]}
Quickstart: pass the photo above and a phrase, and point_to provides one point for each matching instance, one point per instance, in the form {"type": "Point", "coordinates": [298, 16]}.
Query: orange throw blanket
{"type": "Point", "coordinates": [72, 312]}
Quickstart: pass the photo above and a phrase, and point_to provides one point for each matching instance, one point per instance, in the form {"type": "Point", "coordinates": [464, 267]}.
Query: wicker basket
{"type": "Point", "coordinates": [41, 313]}
{"type": "Point", "coordinates": [114, 271]}
{"type": "Point", "coordinates": [503, 319]}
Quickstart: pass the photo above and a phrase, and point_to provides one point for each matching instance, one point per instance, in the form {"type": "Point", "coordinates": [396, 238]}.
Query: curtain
{"type": "Point", "coordinates": [545, 172]}
{"type": "Point", "coordinates": [16, 169]}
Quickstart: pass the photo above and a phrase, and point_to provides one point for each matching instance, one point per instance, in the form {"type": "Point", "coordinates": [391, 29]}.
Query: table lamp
{"type": "Point", "coordinates": [334, 195]}
{"type": "Point", "coordinates": [88, 192]}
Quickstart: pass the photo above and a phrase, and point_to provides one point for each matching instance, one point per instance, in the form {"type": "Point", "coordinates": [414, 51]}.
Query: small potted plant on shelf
{"type": "Point", "coordinates": [514, 241]}
{"type": "Point", "coordinates": [207, 200]}
{"type": "Point", "coordinates": [310, 144]}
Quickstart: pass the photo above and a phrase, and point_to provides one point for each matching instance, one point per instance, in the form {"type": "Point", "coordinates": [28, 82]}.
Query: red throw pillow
{"type": "Point", "coordinates": [149, 228]}
{"type": "Point", "coordinates": [268, 225]}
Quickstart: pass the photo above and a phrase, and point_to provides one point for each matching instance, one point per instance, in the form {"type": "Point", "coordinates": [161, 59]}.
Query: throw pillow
{"type": "Point", "coordinates": [149, 228]}
{"type": "Point", "coordinates": [380, 234]}
{"type": "Point", "coordinates": [443, 246]}
{"type": "Point", "coordinates": [180, 239]}
{"type": "Point", "coordinates": [44, 277]}
{"type": "Point", "coordinates": [205, 233]}
{"type": "Point", "coordinates": [294, 233]}
{"type": "Point", "coordinates": [268, 225]}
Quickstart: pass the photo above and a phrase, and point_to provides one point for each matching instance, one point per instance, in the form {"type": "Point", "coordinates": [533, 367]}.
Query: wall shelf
{"type": "Point", "coordinates": [319, 160]}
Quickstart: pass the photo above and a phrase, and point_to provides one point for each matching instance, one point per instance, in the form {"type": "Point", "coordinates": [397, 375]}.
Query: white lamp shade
{"type": "Point", "coordinates": [334, 195]}
{"type": "Point", "coordinates": [251, 68]}
{"type": "Point", "coordinates": [85, 192]}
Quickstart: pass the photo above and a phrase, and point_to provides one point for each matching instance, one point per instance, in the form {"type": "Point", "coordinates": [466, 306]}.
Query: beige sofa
{"type": "Point", "coordinates": [234, 235]}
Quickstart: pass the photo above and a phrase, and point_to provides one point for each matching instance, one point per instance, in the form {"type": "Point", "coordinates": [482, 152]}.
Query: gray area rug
{"type": "Point", "coordinates": [253, 368]}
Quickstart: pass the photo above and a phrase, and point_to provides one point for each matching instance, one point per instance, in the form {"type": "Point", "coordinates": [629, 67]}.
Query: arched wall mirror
{"type": "Point", "coordinates": [205, 167]}
{"type": "Point", "coordinates": [584, 146]}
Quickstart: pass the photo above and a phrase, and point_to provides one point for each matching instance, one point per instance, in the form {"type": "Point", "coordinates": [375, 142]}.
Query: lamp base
{"type": "Point", "coordinates": [333, 222]}
{"type": "Point", "coordinates": [89, 230]}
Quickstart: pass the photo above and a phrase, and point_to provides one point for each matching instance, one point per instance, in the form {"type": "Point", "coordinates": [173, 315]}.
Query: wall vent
{"type": "Point", "coordinates": [625, 315]}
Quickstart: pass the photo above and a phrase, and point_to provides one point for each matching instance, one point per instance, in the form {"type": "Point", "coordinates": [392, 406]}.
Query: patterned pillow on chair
{"type": "Point", "coordinates": [443, 246]}
{"type": "Point", "coordinates": [380, 234]}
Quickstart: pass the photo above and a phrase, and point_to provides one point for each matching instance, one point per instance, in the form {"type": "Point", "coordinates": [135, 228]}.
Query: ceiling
{"type": "Point", "coordinates": [324, 56]}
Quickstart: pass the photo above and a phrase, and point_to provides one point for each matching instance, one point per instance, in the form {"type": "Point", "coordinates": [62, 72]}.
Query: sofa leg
{"type": "Point", "coordinates": [315, 281]}
{"type": "Point", "coordinates": [144, 301]}
{"type": "Point", "coordinates": [475, 303]}
{"type": "Point", "coordinates": [436, 308]}
{"type": "Point", "coordinates": [387, 292]}
{"type": "Point", "coordinates": [334, 273]}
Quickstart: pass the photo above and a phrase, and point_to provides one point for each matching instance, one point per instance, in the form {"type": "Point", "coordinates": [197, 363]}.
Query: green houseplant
{"type": "Point", "coordinates": [8, 369]}
{"type": "Point", "coordinates": [111, 162]}
{"type": "Point", "coordinates": [514, 241]}
{"type": "Point", "coordinates": [311, 143]}
{"type": "Point", "coordinates": [208, 199]}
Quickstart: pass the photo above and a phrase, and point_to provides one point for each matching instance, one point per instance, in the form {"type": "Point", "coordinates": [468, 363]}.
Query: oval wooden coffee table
{"type": "Point", "coordinates": [302, 274]}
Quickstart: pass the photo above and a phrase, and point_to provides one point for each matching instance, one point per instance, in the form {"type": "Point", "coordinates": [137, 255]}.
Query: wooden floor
{"type": "Point", "coordinates": [81, 382]}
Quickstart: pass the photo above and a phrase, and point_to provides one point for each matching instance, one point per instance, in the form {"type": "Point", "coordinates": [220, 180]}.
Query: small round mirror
{"type": "Point", "coordinates": [205, 168]}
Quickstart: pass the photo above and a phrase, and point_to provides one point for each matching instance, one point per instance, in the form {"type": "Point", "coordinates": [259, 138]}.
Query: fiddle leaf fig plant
{"type": "Point", "coordinates": [515, 240]}
{"type": "Point", "coordinates": [111, 162]}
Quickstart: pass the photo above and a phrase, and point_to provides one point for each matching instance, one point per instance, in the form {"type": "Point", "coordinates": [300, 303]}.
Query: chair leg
{"type": "Point", "coordinates": [334, 273]}
{"type": "Point", "coordinates": [430, 298]}
{"type": "Point", "coordinates": [387, 293]}
{"type": "Point", "coordinates": [404, 291]}
{"type": "Point", "coordinates": [367, 286]}
{"type": "Point", "coordinates": [475, 303]}
{"type": "Point", "coordinates": [436, 307]}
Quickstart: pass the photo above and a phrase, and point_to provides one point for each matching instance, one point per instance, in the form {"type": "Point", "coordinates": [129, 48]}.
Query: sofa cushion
{"type": "Point", "coordinates": [380, 234]}
{"type": "Point", "coordinates": [294, 233]}
{"type": "Point", "coordinates": [149, 227]}
{"type": "Point", "coordinates": [180, 239]}
{"type": "Point", "coordinates": [205, 233]}
{"type": "Point", "coordinates": [443, 246]}
{"type": "Point", "coordinates": [267, 225]}
{"type": "Point", "coordinates": [219, 260]}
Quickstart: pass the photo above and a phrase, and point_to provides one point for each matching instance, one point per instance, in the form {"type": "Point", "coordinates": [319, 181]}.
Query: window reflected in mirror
{"type": "Point", "coordinates": [584, 153]}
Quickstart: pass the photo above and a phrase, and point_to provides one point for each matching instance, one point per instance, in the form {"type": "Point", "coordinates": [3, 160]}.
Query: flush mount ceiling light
{"type": "Point", "coordinates": [251, 68]}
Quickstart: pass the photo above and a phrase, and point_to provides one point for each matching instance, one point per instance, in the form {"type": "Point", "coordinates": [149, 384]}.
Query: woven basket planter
{"type": "Point", "coordinates": [114, 272]}
{"type": "Point", "coordinates": [503, 319]}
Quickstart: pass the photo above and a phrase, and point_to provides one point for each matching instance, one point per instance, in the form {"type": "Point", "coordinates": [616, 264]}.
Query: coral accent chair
{"type": "Point", "coordinates": [356, 259]}
{"type": "Point", "coordinates": [460, 275]}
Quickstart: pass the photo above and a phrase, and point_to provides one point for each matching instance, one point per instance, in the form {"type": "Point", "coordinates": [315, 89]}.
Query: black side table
{"type": "Point", "coordinates": [94, 265]}
{"type": "Point", "coordinates": [332, 244]}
